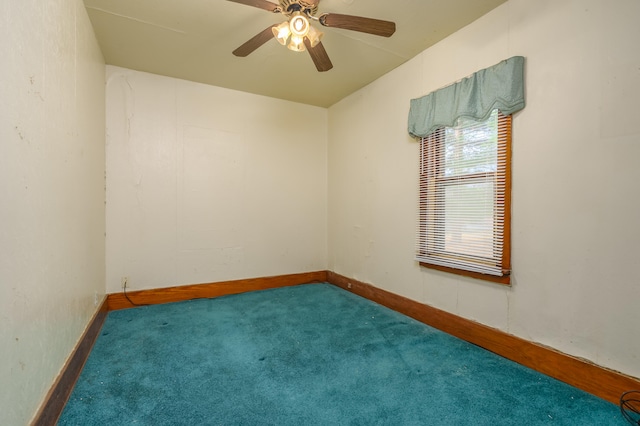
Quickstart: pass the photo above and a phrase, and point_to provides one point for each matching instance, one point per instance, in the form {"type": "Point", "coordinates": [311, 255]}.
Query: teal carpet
{"type": "Point", "coordinates": [307, 355]}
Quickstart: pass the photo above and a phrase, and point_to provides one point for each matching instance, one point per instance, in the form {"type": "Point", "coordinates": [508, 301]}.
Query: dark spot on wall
{"type": "Point", "coordinates": [19, 133]}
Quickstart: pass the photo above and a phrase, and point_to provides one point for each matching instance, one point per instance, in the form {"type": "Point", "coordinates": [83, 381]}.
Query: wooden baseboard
{"type": "Point", "coordinates": [176, 294]}
{"type": "Point", "coordinates": [61, 389]}
{"type": "Point", "coordinates": [597, 380]}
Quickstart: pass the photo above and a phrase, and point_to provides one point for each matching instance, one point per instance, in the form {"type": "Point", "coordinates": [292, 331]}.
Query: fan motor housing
{"type": "Point", "coordinates": [290, 6]}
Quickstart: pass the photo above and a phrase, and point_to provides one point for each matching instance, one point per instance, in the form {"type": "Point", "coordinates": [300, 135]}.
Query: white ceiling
{"type": "Point", "coordinates": [193, 40]}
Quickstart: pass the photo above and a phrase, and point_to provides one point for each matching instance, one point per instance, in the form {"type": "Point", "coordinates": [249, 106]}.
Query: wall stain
{"type": "Point", "coordinates": [19, 133]}
{"type": "Point", "coordinates": [32, 81]}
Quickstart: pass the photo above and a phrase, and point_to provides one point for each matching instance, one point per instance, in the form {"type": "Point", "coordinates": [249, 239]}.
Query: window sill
{"type": "Point", "coordinates": [504, 280]}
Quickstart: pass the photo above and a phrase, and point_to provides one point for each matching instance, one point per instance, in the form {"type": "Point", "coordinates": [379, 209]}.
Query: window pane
{"type": "Point", "coordinates": [471, 147]}
{"type": "Point", "coordinates": [468, 219]}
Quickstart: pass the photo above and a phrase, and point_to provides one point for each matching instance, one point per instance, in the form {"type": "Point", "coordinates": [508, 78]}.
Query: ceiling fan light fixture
{"type": "Point", "coordinates": [296, 44]}
{"type": "Point", "coordinates": [314, 36]}
{"type": "Point", "coordinates": [298, 34]}
{"type": "Point", "coordinates": [299, 25]}
{"type": "Point", "coordinates": [282, 33]}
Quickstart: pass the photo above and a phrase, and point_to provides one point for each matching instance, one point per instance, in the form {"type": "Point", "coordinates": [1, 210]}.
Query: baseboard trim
{"type": "Point", "coordinates": [61, 389]}
{"type": "Point", "coordinates": [118, 301]}
{"type": "Point", "coordinates": [599, 381]}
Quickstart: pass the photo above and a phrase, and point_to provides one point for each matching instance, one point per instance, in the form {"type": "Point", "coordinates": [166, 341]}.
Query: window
{"type": "Point", "coordinates": [464, 208]}
{"type": "Point", "coordinates": [464, 131]}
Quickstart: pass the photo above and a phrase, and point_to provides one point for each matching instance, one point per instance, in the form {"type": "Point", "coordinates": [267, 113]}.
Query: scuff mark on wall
{"type": "Point", "coordinates": [34, 89]}
{"type": "Point", "coordinates": [20, 133]}
{"type": "Point", "coordinates": [129, 105]}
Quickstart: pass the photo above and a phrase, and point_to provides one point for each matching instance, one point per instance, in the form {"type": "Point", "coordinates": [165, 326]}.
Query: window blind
{"type": "Point", "coordinates": [464, 196]}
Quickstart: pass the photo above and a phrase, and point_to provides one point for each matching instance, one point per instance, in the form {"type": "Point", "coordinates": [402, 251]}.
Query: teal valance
{"type": "Point", "coordinates": [500, 86]}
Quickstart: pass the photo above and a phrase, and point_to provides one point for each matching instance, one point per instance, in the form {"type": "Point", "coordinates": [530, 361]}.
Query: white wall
{"type": "Point", "coordinates": [52, 188]}
{"type": "Point", "coordinates": [206, 184]}
{"type": "Point", "coordinates": [576, 232]}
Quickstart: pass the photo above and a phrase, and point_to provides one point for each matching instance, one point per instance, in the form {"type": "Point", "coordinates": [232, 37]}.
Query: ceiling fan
{"type": "Point", "coordinates": [299, 35]}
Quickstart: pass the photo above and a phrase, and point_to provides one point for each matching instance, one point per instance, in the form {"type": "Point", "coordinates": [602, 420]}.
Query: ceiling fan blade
{"type": "Point", "coordinates": [358, 23]}
{"type": "Point", "coordinates": [254, 42]}
{"type": "Point", "coordinates": [319, 56]}
{"type": "Point", "coordinates": [262, 4]}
